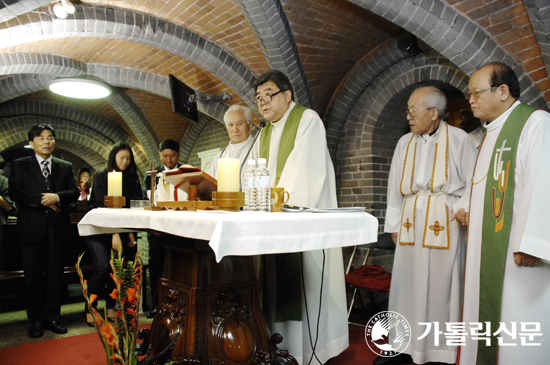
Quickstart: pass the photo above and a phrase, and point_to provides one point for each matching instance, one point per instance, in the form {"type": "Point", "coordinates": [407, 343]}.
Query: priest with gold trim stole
{"type": "Point", "coordinates": [294, 143]}
{"type": "Point", "coordinates": [429, 178]}
{"type": "Point", "coordinates": [507, 284]}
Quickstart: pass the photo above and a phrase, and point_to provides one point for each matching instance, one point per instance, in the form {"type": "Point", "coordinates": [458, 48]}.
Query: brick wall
{"type": "Point", "coordinates": [508, 22]}
{"type": "Point", "coordinates": [213, 136]}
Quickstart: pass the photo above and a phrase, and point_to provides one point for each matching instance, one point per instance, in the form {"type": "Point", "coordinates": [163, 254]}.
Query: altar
{"type": "Point", "coordinates": [209, 294]}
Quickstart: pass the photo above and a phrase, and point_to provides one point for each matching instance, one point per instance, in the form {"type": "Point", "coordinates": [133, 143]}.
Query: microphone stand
{"type": "Point", "coordinates": [262, 125]}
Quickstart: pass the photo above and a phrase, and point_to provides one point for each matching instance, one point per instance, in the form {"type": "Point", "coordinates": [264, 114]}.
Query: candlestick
{"type": "Point", "coordinates": [114, 183]}
{"type": "Point", "coordinates": [229, 172]}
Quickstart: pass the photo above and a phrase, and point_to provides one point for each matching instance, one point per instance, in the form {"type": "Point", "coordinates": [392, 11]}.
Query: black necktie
{"type": "Point", "coordinates": [46, 173]}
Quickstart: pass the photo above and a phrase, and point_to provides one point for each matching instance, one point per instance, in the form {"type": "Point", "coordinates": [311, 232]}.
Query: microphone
{"type": "Point", "coordinates": [262, 125]}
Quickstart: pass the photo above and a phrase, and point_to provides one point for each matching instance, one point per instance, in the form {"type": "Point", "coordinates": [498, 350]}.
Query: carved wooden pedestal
{"type": "Point", "coordinates": [212, 308]}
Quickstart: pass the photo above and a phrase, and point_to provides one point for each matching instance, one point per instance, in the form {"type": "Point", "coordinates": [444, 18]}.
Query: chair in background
{"type": "Point", "coordinates": [369, 277]}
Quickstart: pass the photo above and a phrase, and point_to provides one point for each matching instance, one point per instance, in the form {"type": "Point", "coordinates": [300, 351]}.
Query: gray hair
{"type": "Point", "coordinates": [435, 99]}
{"type": "Point", "coordinates": [241, 108]}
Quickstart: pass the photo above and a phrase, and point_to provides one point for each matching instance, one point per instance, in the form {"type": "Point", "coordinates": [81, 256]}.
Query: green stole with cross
{"type": "Point", "coordinates": [497, 222]}
{"type": "Point", "coordinates": [288, 266]}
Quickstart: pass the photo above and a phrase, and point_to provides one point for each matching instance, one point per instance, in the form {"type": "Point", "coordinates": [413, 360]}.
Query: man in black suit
{"type": "Point", "coordinates": [169, 156]}
{"type": "Point", "coordinates": [44, 188]}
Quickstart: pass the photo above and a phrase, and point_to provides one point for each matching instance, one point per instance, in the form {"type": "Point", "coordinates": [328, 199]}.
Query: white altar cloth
{"type": "Point", "coordinates": [241, 233]}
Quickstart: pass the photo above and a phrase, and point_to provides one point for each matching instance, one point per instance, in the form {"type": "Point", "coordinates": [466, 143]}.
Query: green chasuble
{"type": "Point", "coordinates": [497, 222]}
{"type": "Point", "coordinates": [287, 139]}
{"type": "Point", "coordinates": [288, 266]}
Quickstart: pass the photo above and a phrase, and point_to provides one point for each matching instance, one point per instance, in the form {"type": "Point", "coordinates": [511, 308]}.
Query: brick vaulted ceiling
{"type": "Point", "coordinates": [329, 48]}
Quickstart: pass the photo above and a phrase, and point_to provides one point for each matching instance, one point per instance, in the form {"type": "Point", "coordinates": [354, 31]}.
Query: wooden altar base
{"type": "Point", "coordinates": [213, 310]}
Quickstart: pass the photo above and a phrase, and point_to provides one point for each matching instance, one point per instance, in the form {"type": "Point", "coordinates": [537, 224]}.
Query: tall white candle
{"type": "Point", "coordinates": [114, 183]}
{"type": "Point", "coordinates": [229, 172]}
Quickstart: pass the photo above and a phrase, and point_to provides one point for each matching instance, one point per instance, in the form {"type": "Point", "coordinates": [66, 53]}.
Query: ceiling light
{"type": "Point", "coordinates": [63, 9]}
{"type": "Point", "coordinates": [80, 88]}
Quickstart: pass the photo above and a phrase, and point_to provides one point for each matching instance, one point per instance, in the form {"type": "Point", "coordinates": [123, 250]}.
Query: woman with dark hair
{"type": "Point", "coordinates": [84, 182]}
{"type": "Point", "coordinates": [121, 158]}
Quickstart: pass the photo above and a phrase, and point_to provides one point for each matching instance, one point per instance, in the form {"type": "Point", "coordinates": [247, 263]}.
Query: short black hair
{"type": "Point", "coordinates": [278, 78]}
{"type": "Point", "coordinates": [37, 130]}
{"type": "Point", "coordinates": [503, 74]}
{"type": "Point", "coordinates": [170, 144]}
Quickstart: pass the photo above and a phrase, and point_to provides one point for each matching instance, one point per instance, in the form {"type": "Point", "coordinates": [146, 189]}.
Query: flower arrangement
{"type": "Point", "coordinates": [118, 336]}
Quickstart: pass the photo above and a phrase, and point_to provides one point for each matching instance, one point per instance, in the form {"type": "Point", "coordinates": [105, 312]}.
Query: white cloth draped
{"type": "Point", "coordinates": [309, 177]}
{"type": "Point", "coordinates": [526, 291]}
{"type": "Point", "coordinates": [427, 283]}
{"type": "Point", "coordinates": [241, 233]}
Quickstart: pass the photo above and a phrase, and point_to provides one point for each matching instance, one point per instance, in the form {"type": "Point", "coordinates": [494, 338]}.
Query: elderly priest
{"type": "Point", "coordinates": [238, 121]}
{"type": "Point", "coordinates": [295, 146]}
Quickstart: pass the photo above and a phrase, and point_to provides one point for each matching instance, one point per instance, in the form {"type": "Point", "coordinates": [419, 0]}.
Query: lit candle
{"type": "Point", "coordinates": [229, 172]}
{"type": "Point", "coordinates": [114, 183]}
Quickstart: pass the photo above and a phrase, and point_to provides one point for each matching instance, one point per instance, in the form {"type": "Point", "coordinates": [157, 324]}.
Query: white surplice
{"type": "Point", "coordinates": [238, 150]}
{"type": "Point", "coordinates": [526, 291]}
{"type": "Point", "coordinates": [309, 178]}
{"type": "Point", "coordinates": [426, 282]}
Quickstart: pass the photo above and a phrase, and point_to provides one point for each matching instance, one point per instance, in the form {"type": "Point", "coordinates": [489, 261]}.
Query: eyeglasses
{"type": "Point", "coordinates": [266, 99]}
{"type": "Point", "coordinates": [475, 94]}
{"type": "Point", "coordinates": [413, 114]}
{"type": "Point", "coordinates": [42, 139]}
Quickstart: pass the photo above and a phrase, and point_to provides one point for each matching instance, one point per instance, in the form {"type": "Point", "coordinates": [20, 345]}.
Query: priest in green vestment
{"type": "Point", "coordinates": [507, 285]}
{"type": "Point", "coordinates": [294, 144]}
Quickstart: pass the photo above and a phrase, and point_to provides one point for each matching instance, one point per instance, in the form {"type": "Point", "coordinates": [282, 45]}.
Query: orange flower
{"type": "Point", "coordinates": [93, 297]}
{"type": "Point", "coordinates": [131, 296]}
{"type": "Point", "coordinates": [114, 294]}
{"type": "Point", "coordinates": [131, 311]}
{"type": "Point", "coordinates": [107, 333]}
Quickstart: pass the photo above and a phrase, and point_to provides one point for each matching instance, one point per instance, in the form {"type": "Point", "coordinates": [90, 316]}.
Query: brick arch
{"type": "Point", "coordinates": [377, 121]}
{"type": "Point", "coordinates": [191, 137]}
{"type": "Point", "coordinates": [270, 25]}
{"type": "Point", "coordinates": [50, 66]}
{"type": "Point", "coordinates": [77, 116]}
{"type": "Point", "coordinates": [131, 26]}
{"type": "Point", "coordinates": [12, 9]}
{"type": "Point", "coordinates": [92, 147]}
{"type": "Point", "coordinates": [23, 84]}
{"type": "Point", "coordinates": [356, 81]}
{"type": "Point", "coordinates": [538, 11]}
{"type": "Point", "coordinates": [81, 140]}
{"type": "Point", "coordinates": [462, 41]}
{"type": "Point", "coordinates": [42, 67]}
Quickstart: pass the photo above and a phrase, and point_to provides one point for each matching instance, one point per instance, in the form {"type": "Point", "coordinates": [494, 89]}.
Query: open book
{"type": "Point", "coordinates": [182, 169]}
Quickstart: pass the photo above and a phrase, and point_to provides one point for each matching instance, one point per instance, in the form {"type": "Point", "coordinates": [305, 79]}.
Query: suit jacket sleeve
{"type": "Point", "coordinates": [66, 188]}
{"type": "Point", "coordinates": [18, 188]}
